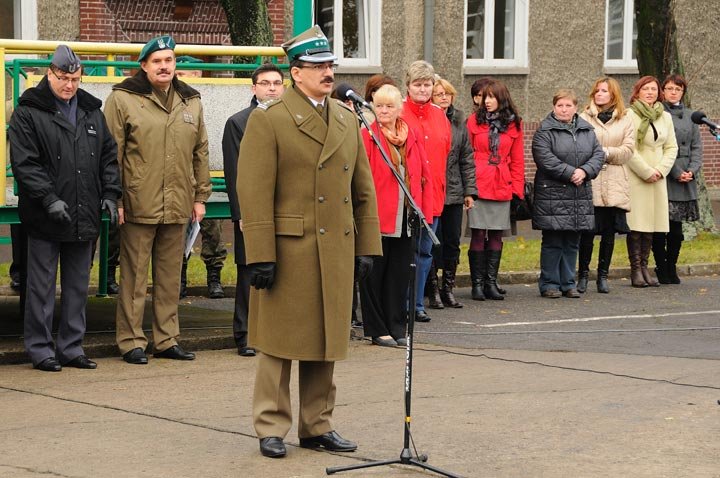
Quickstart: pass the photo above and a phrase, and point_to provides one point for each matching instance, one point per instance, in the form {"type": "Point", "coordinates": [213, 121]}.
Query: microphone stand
{"type": "Point", "coordinates": [416, 222]}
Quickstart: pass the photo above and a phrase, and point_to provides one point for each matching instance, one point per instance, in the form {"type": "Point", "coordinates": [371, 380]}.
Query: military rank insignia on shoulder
{"type": "Point", "coordinates": [267, 104]}
{"type": "Point", "coordinates": [341, 103]}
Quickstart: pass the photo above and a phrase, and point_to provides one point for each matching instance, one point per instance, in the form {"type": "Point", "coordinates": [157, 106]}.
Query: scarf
{"type": "Point", "coordinates": [606, 115]}
{"type": "Point", "coordinates": [647, 115]}
{"type": "Point", "coordinates": [495, 127]}
{"type": "Point", "coordinates": [397, 153]}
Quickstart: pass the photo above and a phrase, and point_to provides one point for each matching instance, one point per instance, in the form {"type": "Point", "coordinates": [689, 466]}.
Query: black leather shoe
{"type": "Point", "coordinates": [331, 441]}
{"type": "Point", "coordinates": [272, 447]}
{"type": "Point", "coordinates": [50, 364]}
{"type": "Point", "coordinates": [246, 351]}
{"type": "Point", "coordinates": [81, 361]}
{"type": "Point", "coordinates": [390, 342]}
{"type": "Point", "coordinates": [175, 353]}
{"type": "Point", "coordinates": [136, 356]}
{"type": "Point", "coordinates": [421, 316]}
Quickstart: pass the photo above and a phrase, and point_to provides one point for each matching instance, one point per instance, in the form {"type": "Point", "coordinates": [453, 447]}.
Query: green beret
{"type": "Point", "coordinates": [187, 59]}
{"type": "Point", "coordinates": [164, 42]}
{"type": "Point", "coordinates": [311, 45]}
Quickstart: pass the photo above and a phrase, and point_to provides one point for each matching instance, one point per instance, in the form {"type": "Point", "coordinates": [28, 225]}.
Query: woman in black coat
{"type": "Point", "coordinates": [567, 155]}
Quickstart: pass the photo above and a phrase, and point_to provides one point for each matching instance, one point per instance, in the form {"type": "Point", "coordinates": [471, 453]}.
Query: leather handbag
{"type": "Point", "coordinates": [522, 209]}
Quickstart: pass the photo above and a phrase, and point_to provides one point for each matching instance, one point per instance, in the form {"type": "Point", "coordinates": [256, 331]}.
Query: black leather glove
{"type": "Point", "coordinates": [262, 275]}
{"type": "Point", "coordinates": [111, 207]}
{"type": "Point", "coordinates": [363, 266]}
{"type": "Point", "coordinates": [58, 212]}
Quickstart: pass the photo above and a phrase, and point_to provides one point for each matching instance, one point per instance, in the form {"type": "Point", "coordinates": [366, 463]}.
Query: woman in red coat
{"type": "Point", "coordinates": [497, 139]}
{"type": "Point", "coordinates": [383, 294]}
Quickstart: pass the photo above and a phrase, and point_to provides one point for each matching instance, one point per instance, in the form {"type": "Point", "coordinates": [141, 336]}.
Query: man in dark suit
{"type": "Point", "coordinates": [267, 84]}
{"type": "Point", "coordinates": [309, 214]}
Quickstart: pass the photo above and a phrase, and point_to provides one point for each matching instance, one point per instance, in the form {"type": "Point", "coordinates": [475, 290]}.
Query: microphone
{"type": "Point", "coordinates": [698, 117]}
{"type": "Point", "coordinates": [345, 92]}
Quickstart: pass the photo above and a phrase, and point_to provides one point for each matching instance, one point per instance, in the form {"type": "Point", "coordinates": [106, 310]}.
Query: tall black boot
{"type": "Point", "coordinates": [660, 255]}
{"type": "Point", "coordinates": [434, 301]}
{"type": "Point", "coordinates": [500, 289]}
{"type": "Point", "coordinates": [112, 285]}
{"type": "Point", "coordinates": [478, 266]}
{"type": "Point", "coordinates": [448, 284]}
{"type": "Point", "coordinates": [183, 280]}
{"type": "Point", "coordinates": [492, 259]}
{"type": "Point", "coordinates": [584, 256]}
{"type": "Point", "coordinates": [607, 244]}
{"type": "Point", "coordinates": [215, 288]}
{"type": "Point", "coordinates": [674, 244]}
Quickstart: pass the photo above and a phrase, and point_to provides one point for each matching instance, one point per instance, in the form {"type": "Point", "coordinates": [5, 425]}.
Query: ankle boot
{"type": "Point", "coordinates": [660, 255]}
{"type": "Point", "coordinates": [434, 301]}
{"type": "Point", "coordinates": [607, 244]}
{"type": "Point", "coordinates": [646, 240]}
{"type": "Point", "coordinates": [112, 285]}
{"type": "Point", "coordinates": [584, 256]}
{"type": "Point", "coordinates": [183, 280]}
{"type": "Point", "coordinates": [477, 273]}
{"type": "Point", "coordinates": [634, 255]}
{"type": "Point", "coordinates": [674, 244]}
{"type": "Point", "coordinates": [448, 284]}
{"type": "Point", "coordinates": [215, 289]}
{"type": "Point", "coordinates": [490, 289]}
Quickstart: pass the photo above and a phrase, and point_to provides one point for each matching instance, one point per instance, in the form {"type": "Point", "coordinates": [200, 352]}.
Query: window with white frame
{"type": "Point", "coordinates": [620, 35]}
{"type": "Point", "coordinates": [496, 34]}
{"type": "Point", "coordinates": [353, 30]}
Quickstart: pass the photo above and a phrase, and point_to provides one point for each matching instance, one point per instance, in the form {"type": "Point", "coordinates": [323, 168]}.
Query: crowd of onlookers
{"type": "Point", "coordinates": [604, 168]}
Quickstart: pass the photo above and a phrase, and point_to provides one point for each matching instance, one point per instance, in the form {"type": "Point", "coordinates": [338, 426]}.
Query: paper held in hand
{"type": "Point", "coordinates": [190, 236]}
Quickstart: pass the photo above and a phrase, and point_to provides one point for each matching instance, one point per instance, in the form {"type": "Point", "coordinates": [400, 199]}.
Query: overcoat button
{"type": "Point", "coordinates": [346, 199]}
{"type": "Point", "coordinates": [347, 231]}
{"type": "Point", "coordinates": [321, 199]}
{"type": "Point", "coordinates": [346, 167]}
{"type": "Point", "coordinates": [320, 167]}
{"type": "Point", "coordinates": [322, 230]}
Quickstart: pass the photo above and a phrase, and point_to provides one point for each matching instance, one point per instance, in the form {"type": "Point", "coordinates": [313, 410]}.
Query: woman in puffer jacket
{"type": "Point", "coordinates": [568, 156]}
{"type": "Point", "coordinates": [611, 191]}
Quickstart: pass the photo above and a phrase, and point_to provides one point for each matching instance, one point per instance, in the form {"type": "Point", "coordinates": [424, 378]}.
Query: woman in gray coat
{"type": "Point", "coordinates": [568, 156]}
{"type": "Point", "coordinates": [681, 184]}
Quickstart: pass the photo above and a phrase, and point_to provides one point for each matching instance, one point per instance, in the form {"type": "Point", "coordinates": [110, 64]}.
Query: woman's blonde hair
{"type": "Point", "coordinates": [420, 70]}
{"type": "Point", "coordinates": [388, 94]}
{"type": "Point", "coordinates": [565, 93]}
{"type": "Point", "coordinates": [447, 86]}
{"type": "Point", "coordinates": [616, 101]}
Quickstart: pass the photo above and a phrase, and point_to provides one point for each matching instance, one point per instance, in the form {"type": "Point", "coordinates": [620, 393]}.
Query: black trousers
{"type": "Point", "coordinates": [447, 254]}
{"type": "Point", "coordinates": [242, 290]}
{"type": "Point", "coordinates": [384, 293]}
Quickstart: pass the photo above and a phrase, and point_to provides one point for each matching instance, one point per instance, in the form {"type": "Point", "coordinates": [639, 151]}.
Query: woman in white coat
{"type": "Point", "coordinates": [615, 131]}
{"type": "Point", "coordinates": [654, 157]}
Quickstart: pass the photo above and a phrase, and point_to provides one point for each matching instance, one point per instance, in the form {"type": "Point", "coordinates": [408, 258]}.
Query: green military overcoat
{"type": "Point", "coordinates": [308, 204]}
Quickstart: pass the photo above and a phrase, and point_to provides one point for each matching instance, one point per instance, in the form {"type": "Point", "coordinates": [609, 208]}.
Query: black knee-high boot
{"type": "Point", "coordinates": [607, 244]}
{"type": "Point", "coordinates": [584, 256]}
{"type": "Point", "coordinates": [674, 243]}
{"type": "Point", "coordinates": [490, 289]}
{"type": "Point", "coordinates": [660, 255]}
{"type": "Point", "coordinates": [477, 273]}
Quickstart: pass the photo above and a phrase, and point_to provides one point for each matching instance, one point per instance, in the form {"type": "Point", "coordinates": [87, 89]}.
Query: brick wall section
{"type": "Point", "coordinates": [97, 23]}
{"type": "Point", "coordinates": [711, 154]}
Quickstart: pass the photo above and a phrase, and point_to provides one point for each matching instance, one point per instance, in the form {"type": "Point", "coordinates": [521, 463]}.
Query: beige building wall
{"type": "Point", "coordinates": [58, 20]}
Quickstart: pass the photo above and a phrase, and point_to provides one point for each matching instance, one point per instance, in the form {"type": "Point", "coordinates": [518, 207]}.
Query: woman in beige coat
{"type": "Point", "coordinates": [649, 166]}
{"type": "Point", "coordinates": [611, 190]}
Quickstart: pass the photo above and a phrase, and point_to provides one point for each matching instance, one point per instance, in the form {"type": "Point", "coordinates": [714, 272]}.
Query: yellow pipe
{"type": "Point", "coordinates": [3, 136]}
{"type": "Point", "coordinates": [110, 69]}
{"type": "Point", "coordinates": [44, 46]}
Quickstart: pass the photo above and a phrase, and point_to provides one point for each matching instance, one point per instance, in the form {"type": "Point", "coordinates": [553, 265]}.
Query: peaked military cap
{"type": "Point", "coordinates": [164, 42]}
{"type": "Point", "coordinates": [65, 59]}
{"type": "Point", "coordinates": [311, 45]}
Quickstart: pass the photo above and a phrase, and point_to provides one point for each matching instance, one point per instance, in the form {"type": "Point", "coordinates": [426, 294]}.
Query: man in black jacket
{"type": "Point", "coordinates": [267, 84]}
{"type": "Point", "coordinates": [65, 163]}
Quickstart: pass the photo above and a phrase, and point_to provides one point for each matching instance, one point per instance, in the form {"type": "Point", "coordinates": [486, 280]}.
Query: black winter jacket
{"type": "Point", "coordinates": [559, 205]}
{"type": "Point", "coordinates": [460, 162]}
{"type": "Point", "coordinates": [53, 159]}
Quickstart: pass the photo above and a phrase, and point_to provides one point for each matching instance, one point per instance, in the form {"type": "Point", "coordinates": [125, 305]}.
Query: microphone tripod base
{"type": "Point", "coordinates": [406, 458]}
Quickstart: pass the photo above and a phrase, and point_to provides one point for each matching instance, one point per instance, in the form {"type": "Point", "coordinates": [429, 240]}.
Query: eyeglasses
{"type": "Point", "coordinates": [442, 95]}
{"type": "Point", "coordinates": [675, 89]}
{"type": "Point", "coordinates": [266, 84]}
{"type": "Point", "coordinates": [65, 79]}
{"type": "Point", "coordinates": [320, 66]}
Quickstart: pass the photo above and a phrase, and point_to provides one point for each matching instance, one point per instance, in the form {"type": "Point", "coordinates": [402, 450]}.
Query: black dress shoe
{"type": "Point", "coordinates": [175, 353]}
{"type": "Point", "coordinates": [81, 361]}
{"type": "Point", "coordinates": [272, 447]}
{"type": "Point", "coordinates": [246, 351]}
{"type": "Point", "coordinates": [136, 356]}
{"type": "Point", "coordinates": [331, 441]}
{"type": "Point", "coordinates": [390, 342]}
{"type": "Point", "coordinates": [50, 364]}
{"type": "Point", "coordinates": [421, 316]}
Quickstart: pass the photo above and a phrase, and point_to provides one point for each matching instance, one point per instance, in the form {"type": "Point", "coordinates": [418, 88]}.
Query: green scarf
{"type": "Point", "coordinates": [647, 115]}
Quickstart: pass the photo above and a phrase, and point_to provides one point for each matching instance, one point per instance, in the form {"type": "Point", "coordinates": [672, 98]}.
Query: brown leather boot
{"type": "Point", "coordinates": [448, 284]}
{"type": "Point", "coordinates": [646, 240]}
{"type": "Point", "coordinates": [633, 247]}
